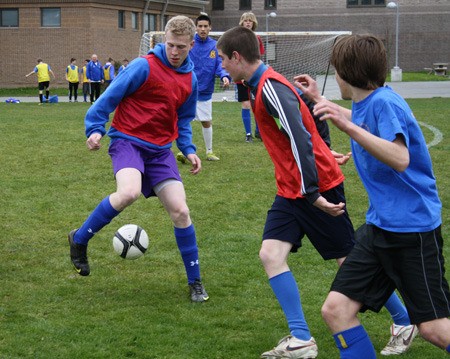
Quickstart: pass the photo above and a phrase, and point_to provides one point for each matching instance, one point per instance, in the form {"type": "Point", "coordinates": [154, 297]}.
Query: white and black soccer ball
{"type": "Point", "coordinates": [130, 241]}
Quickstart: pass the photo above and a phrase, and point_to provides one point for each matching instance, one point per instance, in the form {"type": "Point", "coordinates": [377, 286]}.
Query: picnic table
{"type": "Point", "coordinates": [440, 68]}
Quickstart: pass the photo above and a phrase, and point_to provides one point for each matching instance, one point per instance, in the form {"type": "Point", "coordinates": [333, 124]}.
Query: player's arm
{"type": "Point", "coordinates": [98, 114]}
{"type": "Point", "coordinates": [186, 113]}
{"type": "Point", "coordinates": [31, 73]}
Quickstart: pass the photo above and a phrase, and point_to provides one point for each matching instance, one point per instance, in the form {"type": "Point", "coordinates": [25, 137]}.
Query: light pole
{"type": "Point", "coordinates": [396, 72]}
{"type": "Point", "coordinates": [271, 14]}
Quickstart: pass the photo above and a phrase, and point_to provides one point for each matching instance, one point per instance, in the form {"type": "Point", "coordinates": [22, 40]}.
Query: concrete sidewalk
{"type": "Point", "coordinates": [405, 89]}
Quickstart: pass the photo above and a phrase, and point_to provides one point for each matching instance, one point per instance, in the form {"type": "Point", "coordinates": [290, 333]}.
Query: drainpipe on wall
{"type": "Point", "coordinates": [147, 4]}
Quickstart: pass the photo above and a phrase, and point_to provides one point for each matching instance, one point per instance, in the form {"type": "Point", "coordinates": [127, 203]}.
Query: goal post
{"type": "Point", "coordinates": [289, 53]}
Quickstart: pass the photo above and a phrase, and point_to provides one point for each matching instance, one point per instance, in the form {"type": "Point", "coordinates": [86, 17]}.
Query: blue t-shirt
{"type": "Point", "coordinates": [398, 201]}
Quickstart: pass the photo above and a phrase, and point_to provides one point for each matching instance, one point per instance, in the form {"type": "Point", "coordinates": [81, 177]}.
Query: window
{"type": "Point", "coordinates": [270, 4]}
{"type": "Point", "coordinates": [134, 21]}
{"type": "Point", "coordinates": [245, 4]}
{"type": "Point", "coordinates": [218, 5]}
{"type": "Point", "coordinates": [51, 17]}
{"type": "Point", "coordinates": [9, 17]}
{"type": "Point", "coordinates": [121, 19]}
{"type": "Point", "coordinates": [150, 22]}
{"type": "Point", "coordinates": [352, 3]}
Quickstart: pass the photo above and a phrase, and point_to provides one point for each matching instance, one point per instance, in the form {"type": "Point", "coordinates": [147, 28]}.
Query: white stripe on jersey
{"type": "Point", "coordinates": [272, 97]}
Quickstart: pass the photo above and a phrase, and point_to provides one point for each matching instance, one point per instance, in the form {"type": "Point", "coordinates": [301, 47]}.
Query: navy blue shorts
{"type": "Point", "coordinates": [289, 220]}
{"type": "Point", "coordinates": [383, 261]}
{"type": "Point", "coordinates": [242, 93]}
{"type": "Point", "coordinates": [155, 165]}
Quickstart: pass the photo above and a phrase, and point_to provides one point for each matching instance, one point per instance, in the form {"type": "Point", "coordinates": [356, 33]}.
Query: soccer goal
{"type": "Point", "coordinates": [289, 53]}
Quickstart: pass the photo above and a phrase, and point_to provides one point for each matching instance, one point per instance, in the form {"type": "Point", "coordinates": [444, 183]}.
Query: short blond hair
{"type": "Point", "coordinates": [249, 16]}
{"type": "Point", "coordinates": [181, 25]}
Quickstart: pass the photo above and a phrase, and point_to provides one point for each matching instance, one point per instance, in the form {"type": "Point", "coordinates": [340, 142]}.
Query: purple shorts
{"type": "Point", "coordinates": [155, 165]}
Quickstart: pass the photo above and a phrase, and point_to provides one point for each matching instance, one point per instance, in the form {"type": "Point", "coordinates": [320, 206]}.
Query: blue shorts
{"type": "Point", "coordinates": [289, 220]}
{"type": "Point", "coordinates": [155, 165]}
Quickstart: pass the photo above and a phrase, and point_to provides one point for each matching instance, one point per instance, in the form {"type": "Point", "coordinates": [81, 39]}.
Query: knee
{"type": "Point", "coordinates": [180, 215]}
{"type": "Point", "coordinates": [127, 197]}
{"type": "Point", "coordinates": [436, 332]}
{"type": "Point", "coordinates": [329, 311]}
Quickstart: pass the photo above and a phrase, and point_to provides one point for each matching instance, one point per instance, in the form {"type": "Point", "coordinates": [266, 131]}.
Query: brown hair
{"type": "Point", "coordinates": [360, 60]}
{"type": "Point", "coordinates": [241, 40]}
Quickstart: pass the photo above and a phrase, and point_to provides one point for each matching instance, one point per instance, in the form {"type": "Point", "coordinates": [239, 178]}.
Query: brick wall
{"type": "Point", "coordinates": [87, 27]}
{"type": "Point", "coordinates": [424, 26]}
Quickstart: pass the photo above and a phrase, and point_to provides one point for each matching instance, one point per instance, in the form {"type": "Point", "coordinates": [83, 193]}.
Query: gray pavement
{"type": "Point", "coordinates": [405, 89]}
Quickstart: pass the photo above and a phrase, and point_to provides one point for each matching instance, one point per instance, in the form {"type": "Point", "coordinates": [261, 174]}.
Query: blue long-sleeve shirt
{"type": "Point", "coordinates": [207, 65]}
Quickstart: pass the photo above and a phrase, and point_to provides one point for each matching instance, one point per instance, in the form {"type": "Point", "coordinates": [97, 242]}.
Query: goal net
{"type": "Point", "coordinates": [289, 53]}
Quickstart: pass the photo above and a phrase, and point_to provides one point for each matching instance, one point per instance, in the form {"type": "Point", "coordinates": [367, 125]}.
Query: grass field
{"type": "Point", "coordinates": [50, 182]}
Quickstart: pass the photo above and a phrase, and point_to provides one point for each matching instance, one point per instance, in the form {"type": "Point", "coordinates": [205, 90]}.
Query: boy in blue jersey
{"type": "Point", "coordinates": [207, 66]}
{"type": "Point", "coordinates": [400, 246]}
{"type": "Point", "coordinates": [43, 71]}
{"type": "Point", "coordinates": [153, 101]}
{"type": "Point", "coordinates": [310, 198]}
{"type": "Point", "coordinates": [95, 76]}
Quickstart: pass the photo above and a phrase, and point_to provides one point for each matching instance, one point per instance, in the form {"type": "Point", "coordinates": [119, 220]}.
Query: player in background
{"type": "Point", "coordinates": [124, 64]}
{"type": "Point", "coordinates": [86, 84]}
{"type": "Point", "coordinates": [248, 20]}
{"type": "Point", "coordinates": [154, 100]}
{"type": "Point", "coordinates": [95, 75]}
{"type": "Point", "coordinates": [207, 66]}
{"type": "Point", "coordinates": [43, 71]}
{"type": "Point", "coordinates": [73, 78]}
{"type": "Point", "coordinates": [109, 72]}
{"type": "Point", "coordinates": [400, 246]}
{"type": "Point", "coordinates": [310, 196]}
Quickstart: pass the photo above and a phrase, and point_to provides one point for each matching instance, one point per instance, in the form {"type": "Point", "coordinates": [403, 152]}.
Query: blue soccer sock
{"type": "Point", "coordinates": [187, 244]}
{"type": "Point", "coordinates": [397, 310]}
{"type": "Point", "coordinates": [256, 127]}
{"type": "Point", "coordinates": [100, 217]}
{"type": "Point", "coordinates": [354, 343]}
{"type": "Point", "coordinates": [247, 120]}
{"type": "Point", "coordinates": [286, 290]}
{"type": "Point", "coordinates": [448, 349]}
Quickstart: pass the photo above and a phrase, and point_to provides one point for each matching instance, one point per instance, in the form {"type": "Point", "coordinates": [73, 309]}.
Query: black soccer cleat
{"type": "Point", "coordinates": [78, 255]}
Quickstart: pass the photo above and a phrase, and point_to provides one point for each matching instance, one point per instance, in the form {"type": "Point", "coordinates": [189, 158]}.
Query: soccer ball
{"type": "Point", "coordinates": [130, 241]}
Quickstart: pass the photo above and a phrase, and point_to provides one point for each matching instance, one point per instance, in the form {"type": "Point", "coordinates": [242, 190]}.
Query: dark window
{"type": "Point", "coordinates": [245, 4]}
{"type": "Point", "coordinates": [9, 17]}
{"type": "Point", "coordinates": [351, 3]}
{"type": "Point", "coordinates": [270, 4]}
{"type": "Point", "coordinates": [218, 5]}
{"type": "Point", "coordinates": [50, 17]}
{"type": "Point", "coordinates": [121, 19]}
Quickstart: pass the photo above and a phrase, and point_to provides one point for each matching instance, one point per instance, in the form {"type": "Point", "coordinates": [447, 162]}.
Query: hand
{"type": "Point", "coordinates": [341, 159]}
{"type": "Point", "coordinates": [93, 142]}
{"type": "Point", "coordinates": [327, 110]}
{"type": "Point", "coordinates": [226, 82]}
{"type": "Point", "coordinates": [196, 163]}
{"type": "Point", "coordinates": [330, 208]}
{"type": "Point", "coordinates": [308, 86]}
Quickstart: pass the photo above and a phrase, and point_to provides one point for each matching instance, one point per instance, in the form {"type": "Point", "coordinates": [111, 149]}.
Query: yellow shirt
{"type": "Point", "coordinates": [42, 72]}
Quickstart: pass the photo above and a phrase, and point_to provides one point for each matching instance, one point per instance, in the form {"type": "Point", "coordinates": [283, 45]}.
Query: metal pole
{"type": "Point", "coordinates": [396, 38]}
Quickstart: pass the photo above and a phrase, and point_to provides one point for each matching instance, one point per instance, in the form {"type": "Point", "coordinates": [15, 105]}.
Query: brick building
{"type": "Point", "coordinates": [56, 30]}
{"type": "Point", "coordinates": [424, 25]}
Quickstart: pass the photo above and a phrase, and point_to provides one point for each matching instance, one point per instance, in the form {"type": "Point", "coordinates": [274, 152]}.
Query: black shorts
{"type": "Point", "coordinates": [289, 220]}
{"type": "Point", "coordinates": [43, 85]}
{"type": "Point", "coordinates": [242, 93]}
{"type": "Point", "coordinates": [382, 261]}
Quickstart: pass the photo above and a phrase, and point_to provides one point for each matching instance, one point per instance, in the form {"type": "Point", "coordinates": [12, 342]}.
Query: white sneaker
{"type": "Point", "coordinates": [291, 347]}
{"type": "Point", "coordinates": [401, 339]}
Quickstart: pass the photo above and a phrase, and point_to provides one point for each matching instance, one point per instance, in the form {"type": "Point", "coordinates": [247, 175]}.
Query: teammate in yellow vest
{"type": "Point", "coordinates": [109, 72]}
{"type": "Point", "coordinates": [86, 84]}
{"type": "Point", "coordinates": [73, 78]}
{"type": "Point", "coordinates": [43, 71]}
